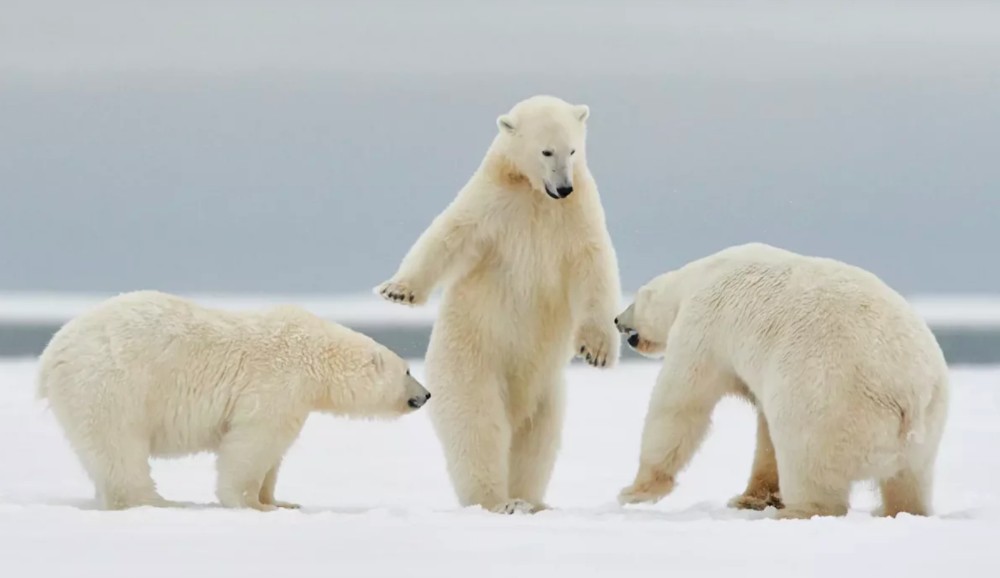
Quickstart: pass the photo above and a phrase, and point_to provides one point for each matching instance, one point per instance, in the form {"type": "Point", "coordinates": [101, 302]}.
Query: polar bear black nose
{"type": "Point", "coordinates": [564, 192]}
{"type": "Point", "coordinates": [633, 339]}
{"type": "Point", "coordinates": [418, 401]}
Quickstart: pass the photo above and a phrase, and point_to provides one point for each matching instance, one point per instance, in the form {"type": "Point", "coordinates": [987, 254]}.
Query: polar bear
{"type": "Point", "coordinates": [530, 280]}
{"type": "Point", "coordinates": [150, 374]}
{"type": "Point", "coordinates": [849, 383]}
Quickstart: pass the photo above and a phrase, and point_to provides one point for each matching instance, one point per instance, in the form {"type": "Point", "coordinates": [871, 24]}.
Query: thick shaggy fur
{"type": "Point", "coordinates": [530, 278]}
{"type": "Point", "coordinates": [849, 382]}
{"type": "Point", "coordinates": [149, 374]}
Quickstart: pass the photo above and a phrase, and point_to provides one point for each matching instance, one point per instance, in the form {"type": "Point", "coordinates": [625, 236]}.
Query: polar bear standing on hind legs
{"type": "Point", "coordinates": [530, 279]}
{"type": "Point", "coordinates": [849, 382]}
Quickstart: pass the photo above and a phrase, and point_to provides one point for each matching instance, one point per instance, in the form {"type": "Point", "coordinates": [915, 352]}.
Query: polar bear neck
{"type": "Point", "coordinates": [500, 170]}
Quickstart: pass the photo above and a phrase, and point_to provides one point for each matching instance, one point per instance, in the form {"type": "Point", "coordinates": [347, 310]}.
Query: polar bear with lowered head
{"type": "Point", "coordinates": [149, 374]}
{"type": "Point", "coordinates": [848, 381]}
{"type": "Point", "coordinates": [530, 279]}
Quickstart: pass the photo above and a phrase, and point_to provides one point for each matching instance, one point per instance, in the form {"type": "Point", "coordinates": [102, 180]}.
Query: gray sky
{"type": "Point", "coordinates": [300, 147]}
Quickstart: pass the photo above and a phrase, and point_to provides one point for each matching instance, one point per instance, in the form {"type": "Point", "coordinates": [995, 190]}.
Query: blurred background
{"type": "Point", "coordinates": [253, 151]}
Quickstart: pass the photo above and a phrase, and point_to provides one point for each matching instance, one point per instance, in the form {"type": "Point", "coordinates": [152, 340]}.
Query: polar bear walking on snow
{"type": "Point", "coordinates": [849, 383]}
{"type": "Point", "coordinates": [530, 279]}
{"type": "Point", "coordinates": [149, 374]}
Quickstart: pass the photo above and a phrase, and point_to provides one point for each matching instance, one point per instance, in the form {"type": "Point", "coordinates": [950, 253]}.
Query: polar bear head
{"type": "Point", "coordinates": [363, 378]}
{"type": "Point", "coordinates": [544, 137]}
{"type": "Point", "coordinates": [646, 323]}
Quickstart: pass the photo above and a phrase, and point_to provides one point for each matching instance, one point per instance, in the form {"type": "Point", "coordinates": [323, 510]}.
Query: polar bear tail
{"type": "Point", "coordinates": [41, 387]}
{"type": "Point", "coordinates": [42, 379]}
{"type": "Point", "coordinates": [913, 421]}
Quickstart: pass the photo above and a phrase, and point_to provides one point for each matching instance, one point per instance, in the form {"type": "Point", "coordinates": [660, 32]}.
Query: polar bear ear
{"type": "Point", "coordinates": [582, 112]}
{"type": "Point", "coordinates": [505, 123]}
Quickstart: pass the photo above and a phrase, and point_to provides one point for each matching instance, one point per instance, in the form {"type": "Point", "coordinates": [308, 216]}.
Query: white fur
{"type": "Point", "coordinates": [849, 381]}
{"type": "Point", "coordinates": [150, 374]}
{"type": "Point", "coordinates": [530, 280]}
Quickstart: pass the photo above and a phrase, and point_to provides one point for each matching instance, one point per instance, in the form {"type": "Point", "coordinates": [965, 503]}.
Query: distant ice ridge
{"type": "Point", "coordinates": [951, 311]}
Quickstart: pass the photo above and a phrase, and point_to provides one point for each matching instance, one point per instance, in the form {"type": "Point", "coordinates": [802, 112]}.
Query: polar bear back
{"type": "Point", "coordinates": [773, 312]}
{"type": "Point", "coordinates": [171, 369]}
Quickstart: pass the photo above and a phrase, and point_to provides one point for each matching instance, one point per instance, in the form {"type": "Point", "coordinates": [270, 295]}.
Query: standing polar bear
{"type": "Point", "coordinates": [530, 279]}
{"type": "Point", "coordinates": [849, 383]}
{"type": "Point", "coordinates": [149, 374]}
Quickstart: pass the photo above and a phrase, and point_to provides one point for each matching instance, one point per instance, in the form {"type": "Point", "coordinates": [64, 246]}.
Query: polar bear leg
{"type": "Point", "coordinates": [909, 491]}
{"type": "Point", "coordinates": [679, 414]}
{"type": "Point", "coordinates": [535, 446]}
{"type": "Point", "coordinates": [762, 489]}
{"type": "Point", "coordinates": [114, 452]}
{"type": "Point", "coordinates": [267, 489]}
{"type": "Point", "coordinates": [246, 455]}
{"type": "Point", "coordinates": [470, 420]}
{"type": "Point", "coordinates": [809, 486]}
{"type": "Point", "coordinates": [116, 459]}
{"type": "Point", "coordinates": [122, 477]}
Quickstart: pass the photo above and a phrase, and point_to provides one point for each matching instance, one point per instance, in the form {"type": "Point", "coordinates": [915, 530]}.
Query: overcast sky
{"type": "Point", "coordinates": [300, 147]}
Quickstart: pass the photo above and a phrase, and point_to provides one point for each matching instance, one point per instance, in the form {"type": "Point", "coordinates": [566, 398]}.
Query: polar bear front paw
{"type": "Point", "coordinates": [400, 292]}
{"type": "Point", "coordinates": [516, 507]}
{"type": "Point", "coordinates": [598, 344]}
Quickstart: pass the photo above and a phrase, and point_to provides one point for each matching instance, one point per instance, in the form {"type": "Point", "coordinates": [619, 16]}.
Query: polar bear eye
{"type": "Point", "coordinates": [546, 153]}
{"type": "Point", "coordinates": [572, 152]}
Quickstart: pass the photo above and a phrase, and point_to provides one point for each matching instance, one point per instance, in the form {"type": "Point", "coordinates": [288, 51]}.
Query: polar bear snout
{"type": "Point", "coordinates": [558, 191]}
{"type": "Point", "coordinates": [631, 335]}
{"type": "Point", "coordinates": [624, 321]}
{"type": "Point", "coordinates": [418, 401]}
{"type": "Point", "coordinates": [416, 395]}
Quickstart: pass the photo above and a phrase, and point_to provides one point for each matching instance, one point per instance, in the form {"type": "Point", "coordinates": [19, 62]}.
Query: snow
{"type": "Point", "coordinates": [377, 502]}
{"type": "Point", "coordinates": [960, 311]}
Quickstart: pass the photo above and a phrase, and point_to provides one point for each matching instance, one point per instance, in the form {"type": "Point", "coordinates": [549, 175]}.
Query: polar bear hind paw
{"type": "Point", "coordinates": [649, 491]}
{"type": "Point", "coordinates": [759, 503]}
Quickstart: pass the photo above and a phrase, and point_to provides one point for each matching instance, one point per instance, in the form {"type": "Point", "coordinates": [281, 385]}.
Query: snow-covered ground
{"type": "Point", "coordinates": [377, 502]}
